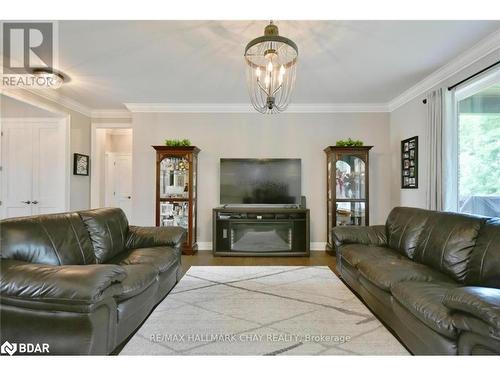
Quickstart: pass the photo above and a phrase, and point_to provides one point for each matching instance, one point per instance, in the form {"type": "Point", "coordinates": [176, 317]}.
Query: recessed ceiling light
{"type": "Point", "coordinates": [48, 77]}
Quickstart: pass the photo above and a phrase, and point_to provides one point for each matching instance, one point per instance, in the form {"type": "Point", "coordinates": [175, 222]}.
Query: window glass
{"type": "Point", "coordinates": [479, 153]}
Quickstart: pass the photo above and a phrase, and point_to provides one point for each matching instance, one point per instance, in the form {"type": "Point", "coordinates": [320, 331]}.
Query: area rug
{"type": "Point", "coordinates": [242, 310]}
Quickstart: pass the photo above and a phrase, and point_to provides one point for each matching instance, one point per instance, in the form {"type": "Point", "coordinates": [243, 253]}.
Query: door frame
{"type": "Point", "coordinates": [63, 122]}
{"type": "Point", "coordinates": [32, 99]}
{"type": "Point", "coordinates": [95, 171]}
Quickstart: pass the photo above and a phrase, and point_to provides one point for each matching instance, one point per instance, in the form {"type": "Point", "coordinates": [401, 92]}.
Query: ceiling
{"type": "Point", "coordinates": [190, 62]}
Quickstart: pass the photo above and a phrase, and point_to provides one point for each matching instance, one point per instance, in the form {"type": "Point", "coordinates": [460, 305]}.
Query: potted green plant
{"type": "Point", "coordinates": [349, 143]}
{"type": "Point", "coordinates": [177, 142]}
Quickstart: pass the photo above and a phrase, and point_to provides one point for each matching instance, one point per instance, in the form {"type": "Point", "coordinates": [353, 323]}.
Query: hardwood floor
{"type": "Point", "coordinates": [205, 258]}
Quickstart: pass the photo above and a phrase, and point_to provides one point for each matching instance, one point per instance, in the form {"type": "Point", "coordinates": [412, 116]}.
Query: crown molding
{"type": "Point", "coordinates": [110, 114]}
{"type": "Point", "coordinates": [36, 120]}
{"type": "Point", "coordinates": [247, 108]}
{"type": "Point", "coordinates": [188, 107]}
{"type": "Point", "coordinates": [481, 49]}
{"type": "Point", "coordinates": [34, 99]}
{"type": "Point", "coordinates": [337, 108]}
{"type": "Point", "coordinates": [62, 100]}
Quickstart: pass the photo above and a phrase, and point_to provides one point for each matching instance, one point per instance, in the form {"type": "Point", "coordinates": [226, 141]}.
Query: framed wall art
{"type": "Point", "coordinates": [409, 163]}
{"type": "Point", "coordinates": [80, 165]}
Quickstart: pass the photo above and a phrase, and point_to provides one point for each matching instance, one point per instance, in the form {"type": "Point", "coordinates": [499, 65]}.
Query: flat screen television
{"type": "Point", "coordinates": [260, 181]}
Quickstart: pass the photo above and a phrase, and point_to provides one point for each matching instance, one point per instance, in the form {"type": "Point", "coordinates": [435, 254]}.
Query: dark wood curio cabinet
{"type": "Point", "coordinates": [176, 191]}
{"type": "Point", "coordinates": [347, 188]}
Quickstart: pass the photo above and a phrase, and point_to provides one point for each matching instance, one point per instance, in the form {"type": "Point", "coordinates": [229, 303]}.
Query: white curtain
{"type": "Point", "coordinates": [435, 134]}
{"type": "Point", "coordinates": [450, 152]}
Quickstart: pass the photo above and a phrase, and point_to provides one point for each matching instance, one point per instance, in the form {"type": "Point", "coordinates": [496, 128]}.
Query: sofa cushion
{"type": "Point", "coordinates": [161, 258]}
{"type": "Point", "coordinates": [425, 301]}
{"type": "Point", "coordinates": [62, 285]}
{"type": "Point", "coordinates": [139, 277]}
{"type": "Point", "coordinates": [404, 228]}
{"type": "Point", "coordinates": [448, 242]}
{"type": "Point", "coordinates": [354, 253]}
{"type": "Point", "coordinates": [484, 264]}
{"type": "Point", "coordinates": [387, 272]}
{"type": "Point", "coordinates": [108, 229]}
{"type": "Point", "coordinates": [55, 239]}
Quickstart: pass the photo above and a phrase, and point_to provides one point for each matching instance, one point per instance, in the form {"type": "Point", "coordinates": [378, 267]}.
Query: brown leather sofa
{"type": "Point", "coordinates": [82, 281]}
{"type": "Point", "coordinates": [433, 277]}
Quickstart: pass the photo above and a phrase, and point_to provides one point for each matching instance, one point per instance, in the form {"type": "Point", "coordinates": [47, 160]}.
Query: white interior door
{"type": "Point", "coordinates": [118, 182]}
{"type": "Point", "coordinates": [48, 169]}
{"type": "Point", "coordinates": [33, 177]}
{"type": "Point", "coordinates": [16, 169]}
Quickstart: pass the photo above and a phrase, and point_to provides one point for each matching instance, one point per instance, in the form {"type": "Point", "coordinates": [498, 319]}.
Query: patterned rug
{"type": "Point", "coordinates": [262, 311]}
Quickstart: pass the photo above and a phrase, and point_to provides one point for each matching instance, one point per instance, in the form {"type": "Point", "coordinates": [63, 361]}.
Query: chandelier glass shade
{"type": "Point", "coordinates": [271, 66]}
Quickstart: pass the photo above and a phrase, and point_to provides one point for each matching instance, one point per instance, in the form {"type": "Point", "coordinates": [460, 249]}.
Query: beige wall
{"type": "Point", "coordinates": [116, 120]}
{"type": "Point", "coordinates": [285, 135]}
{"type": "Point", "coordinates": [80, 143]}
{"type": "Point", "coordinates": [410, 120]}
{"type": "Point", "coordinates": [12, 108]}
{"type": "Point", "coordinates": [121, 143]}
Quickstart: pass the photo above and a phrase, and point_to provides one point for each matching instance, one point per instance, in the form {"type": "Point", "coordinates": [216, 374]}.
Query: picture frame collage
{"type": "Point", "coordinates": [409, 163]}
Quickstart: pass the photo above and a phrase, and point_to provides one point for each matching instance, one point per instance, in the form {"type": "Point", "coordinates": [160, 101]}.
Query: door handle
{"type": "Point", "coordinates": [35, 202]}
{"type": "Point", "coordinates": [26, 202]}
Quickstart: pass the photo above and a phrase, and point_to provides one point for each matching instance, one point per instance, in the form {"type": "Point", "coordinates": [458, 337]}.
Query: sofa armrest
{"type": "Point", "coordinates": [467, 323]}
{"type": "Point", "coordinates": [139, 237]}
{"type": "Point", "coordinates": [84, 284]}
{"type": "Point", "coordinates": [372, 235]}
{"type": "Point", "coordinates": [482, 303]}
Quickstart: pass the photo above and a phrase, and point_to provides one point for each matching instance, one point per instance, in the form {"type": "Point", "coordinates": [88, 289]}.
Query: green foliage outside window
{"type": "Point", "coordinates": [479, 155]}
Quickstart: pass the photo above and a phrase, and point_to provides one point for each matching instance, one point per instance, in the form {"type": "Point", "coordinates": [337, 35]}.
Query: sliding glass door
{"type": "Point", "coordinates": [479, 150]}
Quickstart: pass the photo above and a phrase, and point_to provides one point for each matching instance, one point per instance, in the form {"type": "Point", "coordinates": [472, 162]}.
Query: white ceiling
{"type": "Point", "coordinates": [116, 62]}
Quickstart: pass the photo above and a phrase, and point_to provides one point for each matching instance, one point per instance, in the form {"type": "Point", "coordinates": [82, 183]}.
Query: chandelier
{"type": "Point", "coordinates": [271, 64]}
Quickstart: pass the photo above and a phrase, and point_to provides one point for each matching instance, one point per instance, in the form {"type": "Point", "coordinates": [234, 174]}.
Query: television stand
{"type": "Point", "coordinates": [260, 231]}
{"type": "Point", "coordinates": [260, 206]}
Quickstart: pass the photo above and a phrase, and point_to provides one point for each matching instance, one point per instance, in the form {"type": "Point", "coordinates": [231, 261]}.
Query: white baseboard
{"type": "Point", "coordinates": [315, 246]}
{"type": "Point", "coordinates": [205, 246]}
{"type": "Point", "coordinates": [318, 246]}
